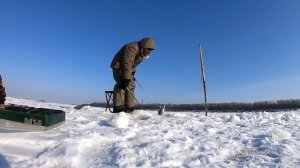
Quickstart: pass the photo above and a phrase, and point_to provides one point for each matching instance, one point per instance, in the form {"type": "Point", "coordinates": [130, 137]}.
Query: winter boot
{"type": "Point", "coordinates": [130, 109]}
{"type": "Point", "coordinates": [118, 109]}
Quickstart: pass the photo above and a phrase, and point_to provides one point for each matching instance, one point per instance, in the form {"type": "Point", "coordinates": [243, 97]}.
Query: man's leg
{"type": "Point", "coordinates": [118, 95]}
{"type": "Point", "coordinates": [129, 97]}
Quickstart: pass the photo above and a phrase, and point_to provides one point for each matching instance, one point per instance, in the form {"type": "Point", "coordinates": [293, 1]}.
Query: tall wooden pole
{"type": "Point", "coordinates": [203, 78]}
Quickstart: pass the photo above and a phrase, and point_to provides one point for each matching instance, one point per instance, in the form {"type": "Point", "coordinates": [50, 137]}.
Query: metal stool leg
{"type": "Point", "coordinates": [108, 96]}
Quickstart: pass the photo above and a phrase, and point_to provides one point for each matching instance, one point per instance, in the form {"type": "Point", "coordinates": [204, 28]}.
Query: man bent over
{"type": "Point", "coordinates": [123, 66]}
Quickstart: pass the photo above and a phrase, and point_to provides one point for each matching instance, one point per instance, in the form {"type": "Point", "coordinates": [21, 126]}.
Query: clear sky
{"type": "Point", "coordinates": [61, 50]}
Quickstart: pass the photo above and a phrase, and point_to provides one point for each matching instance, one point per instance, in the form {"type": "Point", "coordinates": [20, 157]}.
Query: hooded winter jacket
{"type": "Point", "coordinates": [130, 56]}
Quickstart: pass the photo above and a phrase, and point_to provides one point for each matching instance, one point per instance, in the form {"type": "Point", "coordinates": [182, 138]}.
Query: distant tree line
{"type": "Point", "coordinates": [232, 106]}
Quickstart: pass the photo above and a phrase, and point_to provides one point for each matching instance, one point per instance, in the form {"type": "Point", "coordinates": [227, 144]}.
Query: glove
{"type": "Point", "coordinates": [124, 83]}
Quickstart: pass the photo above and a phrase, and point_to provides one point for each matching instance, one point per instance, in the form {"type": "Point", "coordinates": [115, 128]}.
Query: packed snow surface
{"type": "Point", "coordinates": [93, 137]}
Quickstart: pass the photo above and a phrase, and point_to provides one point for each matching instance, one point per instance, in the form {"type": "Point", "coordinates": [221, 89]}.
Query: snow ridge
{"type": "Point", "coordinates": [92, 137]}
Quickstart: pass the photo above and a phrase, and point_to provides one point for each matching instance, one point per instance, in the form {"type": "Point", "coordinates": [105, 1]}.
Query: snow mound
{"type": "Point", "coordinates": [141, 114]}
{"type": "Point", "coordinates": [234, 118]}
{"type": "Point", "coordinates": [119, 121]}
{"type": "Point", "coordinates": [279, 134]}
{"type": "Point", "coordinates": [211, 130]}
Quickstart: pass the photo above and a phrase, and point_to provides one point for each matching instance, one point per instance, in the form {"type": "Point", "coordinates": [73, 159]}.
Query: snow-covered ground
{"type": "Point", "coordinates": [93, 137]}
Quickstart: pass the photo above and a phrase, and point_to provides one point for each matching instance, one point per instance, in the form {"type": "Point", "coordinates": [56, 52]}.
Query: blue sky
{"type": "Point", "coordinates": [60, 50]}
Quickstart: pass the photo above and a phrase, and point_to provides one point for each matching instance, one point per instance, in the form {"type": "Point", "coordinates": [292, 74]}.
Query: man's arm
{"type": "Point", "coordinates": [128, 61]}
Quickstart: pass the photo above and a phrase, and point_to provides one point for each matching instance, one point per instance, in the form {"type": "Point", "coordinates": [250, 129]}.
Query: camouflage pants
{"type": "Point", "coordinates": [122, 97]}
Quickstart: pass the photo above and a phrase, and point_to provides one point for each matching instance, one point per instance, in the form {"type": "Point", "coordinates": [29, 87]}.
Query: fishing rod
{"type": "Point", "coordinates": [134, 97]}
{"type": "Point", "coordinates": [138, 83]}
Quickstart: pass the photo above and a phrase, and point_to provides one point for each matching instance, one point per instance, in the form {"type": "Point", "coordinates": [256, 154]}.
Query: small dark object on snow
{"type": "Point", "coordinates": [161, 110]}
{"type": "Point", "coordinates": [80, 106]}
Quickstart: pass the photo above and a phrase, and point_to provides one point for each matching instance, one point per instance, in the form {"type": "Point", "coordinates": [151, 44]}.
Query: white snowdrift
{"type": "Point", "coordinates": [92, 137]}
{"type": "Point", "coordinates": [119, 120]}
